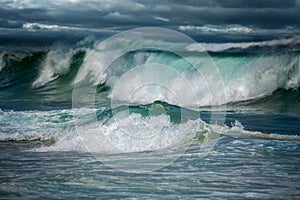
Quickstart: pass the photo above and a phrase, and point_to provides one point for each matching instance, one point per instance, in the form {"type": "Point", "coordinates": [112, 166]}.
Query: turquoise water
{"type": "Point", "coordinates": [164, 150]}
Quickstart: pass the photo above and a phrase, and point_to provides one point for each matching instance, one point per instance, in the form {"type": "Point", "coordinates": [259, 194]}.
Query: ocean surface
{"type": "Point", "coordinates": [239, 142]}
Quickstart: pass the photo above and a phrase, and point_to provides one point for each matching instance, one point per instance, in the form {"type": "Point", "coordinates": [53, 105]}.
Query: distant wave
{"type": "Point", "coordinates": [238, 130]}
{"type": "Point", "coordinates": [218, 47]}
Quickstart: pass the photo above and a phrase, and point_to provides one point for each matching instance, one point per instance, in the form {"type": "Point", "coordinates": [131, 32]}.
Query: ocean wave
{"type": "Point", "coordinates": [238, 130]}
{"type": "Point", "coordinates": [57, 63]}
{"type": "Point", "coordinates": [244, 77]}
{"type": "Point", "coordinates": [121, 133]}
{"type": "Point", "coordinates": [132, 133]}
{"type": "Point", "coordinates": [218, 47]}
{"type": "Point", "coordinates": [49, 74]}
{"type": "Point", "coordinates": [34, 125]}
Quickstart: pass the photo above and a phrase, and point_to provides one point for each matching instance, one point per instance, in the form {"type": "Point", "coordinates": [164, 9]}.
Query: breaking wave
{"type": "Point", "coordinates": [44, 79]}
{"type": "Point", "coordinates": [120, 133]}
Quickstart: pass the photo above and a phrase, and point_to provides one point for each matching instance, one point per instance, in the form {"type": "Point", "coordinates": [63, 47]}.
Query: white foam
{"type": "Point", "coordinates": [92, 70]}
{"type": "Point", "coordinates": [133, 133]}
{"type": "Point", "coordinates": [238, 130]}
{"type": "Point", "coordinates": [56, 64]}
{"type": "Point", "coordinates": [124, 133]}
{"type": "Point", "coordinates": [294, 75]}
{"type": "Point", "coordinates": [32, 125]}
{"type": "Point", "coordinates": [257, 77]}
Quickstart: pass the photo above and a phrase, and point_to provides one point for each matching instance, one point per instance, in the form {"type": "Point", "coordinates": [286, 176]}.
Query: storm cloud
{"type": "Point", "coordinates": [196, 17]}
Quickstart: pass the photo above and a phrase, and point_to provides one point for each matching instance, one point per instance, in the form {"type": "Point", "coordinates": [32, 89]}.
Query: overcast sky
{"type": "Point", "coordinates": [239, 19]}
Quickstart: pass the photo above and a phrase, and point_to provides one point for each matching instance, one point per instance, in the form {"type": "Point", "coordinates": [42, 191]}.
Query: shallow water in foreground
{"type": "Point", "coordinates": [236, 167]}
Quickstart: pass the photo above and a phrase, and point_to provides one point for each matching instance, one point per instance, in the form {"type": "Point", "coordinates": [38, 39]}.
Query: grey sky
{"type": "Point", "coordinates": [195, 17]}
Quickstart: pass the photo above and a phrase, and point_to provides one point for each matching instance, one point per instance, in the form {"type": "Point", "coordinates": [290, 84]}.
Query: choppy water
{"type": "Point", "coordinates": [49, 150]}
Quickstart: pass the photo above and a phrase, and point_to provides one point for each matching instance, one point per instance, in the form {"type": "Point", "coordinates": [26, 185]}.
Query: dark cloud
{"type": "Point", "coordinates": [268, 13]}
{"type": "Point", "coordinates": [10, 23]}
{"type": "Point", "coordinates": [262, 18]}
{"type": "Point", "coordinates": [258, 4]}
{"type": "Point", "coordinates": [255, 14]}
